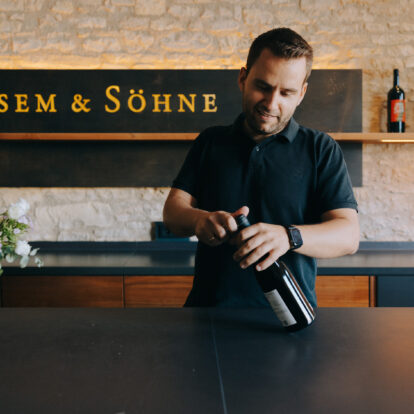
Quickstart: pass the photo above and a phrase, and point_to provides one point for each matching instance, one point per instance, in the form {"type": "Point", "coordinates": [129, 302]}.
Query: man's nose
{"type": "Point", "coordinates": [273, 101]}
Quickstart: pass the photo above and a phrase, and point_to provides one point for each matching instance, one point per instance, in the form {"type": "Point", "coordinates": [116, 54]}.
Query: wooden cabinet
{"type": "Point", "coordinates": [62, 291]}
{"type": "Point", "coordinates": [155, 291]}
{"type": "Point", "coordinates": [345, 291]}
{"type": "Point", "coordinates": [172, 291]}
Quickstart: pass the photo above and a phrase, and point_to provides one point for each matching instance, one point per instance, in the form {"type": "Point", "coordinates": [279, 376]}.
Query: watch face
{"type": "Point", "coordinates": [296, 237]}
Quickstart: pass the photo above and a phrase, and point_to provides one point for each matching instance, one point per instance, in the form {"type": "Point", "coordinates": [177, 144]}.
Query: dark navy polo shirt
{"type": "Point", "coordinates": [289, 178]}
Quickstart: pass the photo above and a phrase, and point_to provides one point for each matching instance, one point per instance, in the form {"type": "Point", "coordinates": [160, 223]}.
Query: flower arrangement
{"type": "Point", "coordinates": [13, 224]}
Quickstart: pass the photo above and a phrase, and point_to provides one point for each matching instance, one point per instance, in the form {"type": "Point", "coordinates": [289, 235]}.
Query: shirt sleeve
{"type": "Point", "coordinates": [333, 188]}
{"type": "Point", "coordinates": [189, 175]}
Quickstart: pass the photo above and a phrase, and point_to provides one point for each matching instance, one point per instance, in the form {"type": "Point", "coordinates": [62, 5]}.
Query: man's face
{"type": "Point", "coordinates": [271, 91]}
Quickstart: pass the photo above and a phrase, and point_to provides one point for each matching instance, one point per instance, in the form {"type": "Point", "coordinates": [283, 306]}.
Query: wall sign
{"type": "Point", "coordinates": [159, 101]}
{"type": "Point", "coordinates": [142, 101]}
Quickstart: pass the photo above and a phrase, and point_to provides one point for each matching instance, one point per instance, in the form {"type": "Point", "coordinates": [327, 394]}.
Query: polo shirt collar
{"type": "Point", "coordinates": [289, 132]}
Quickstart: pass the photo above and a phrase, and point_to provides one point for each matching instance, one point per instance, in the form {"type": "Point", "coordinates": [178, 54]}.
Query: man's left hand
{"type": "Point", "coordinates": [261, 240]}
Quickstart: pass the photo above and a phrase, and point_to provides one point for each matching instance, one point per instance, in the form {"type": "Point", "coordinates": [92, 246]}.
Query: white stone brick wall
{"type": "Point", "coordinates": [373, 35]}
{"type": "Point", "coordinates": [85, 214]}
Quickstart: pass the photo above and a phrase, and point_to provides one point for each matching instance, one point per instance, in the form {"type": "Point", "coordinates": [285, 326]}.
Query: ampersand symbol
{"type": "Point", "coordinates": [79, 104]}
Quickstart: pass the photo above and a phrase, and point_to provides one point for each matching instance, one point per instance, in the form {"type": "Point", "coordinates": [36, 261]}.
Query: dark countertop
{"type": "Point", "coordinates": [177, 258]}
{"type": "Point", "coordinates": [209, 361]}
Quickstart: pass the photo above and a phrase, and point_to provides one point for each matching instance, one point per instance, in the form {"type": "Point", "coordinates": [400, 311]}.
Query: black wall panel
{"type": "Point", "coordinates": [108, 163]}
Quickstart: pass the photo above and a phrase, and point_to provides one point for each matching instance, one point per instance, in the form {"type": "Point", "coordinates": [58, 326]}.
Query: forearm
{"type": "Point", "coordinates": [181, 220]}
{"type": "Point", "coordinates": [331, 238]}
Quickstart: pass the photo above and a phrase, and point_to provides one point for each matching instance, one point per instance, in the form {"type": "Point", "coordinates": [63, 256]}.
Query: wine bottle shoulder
{"type": "Point", "coordinates": [270, 278]}
{"type": "Point", "coordinates": [396, 93]}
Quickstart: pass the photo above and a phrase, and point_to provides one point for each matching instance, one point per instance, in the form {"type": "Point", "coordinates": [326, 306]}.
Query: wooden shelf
{"type": "Point", "coordinates": [365, 137]}
{"type": "Point", "coordinates": [97, 136]}
{"type": "Point", "coordinates": [374, 137]}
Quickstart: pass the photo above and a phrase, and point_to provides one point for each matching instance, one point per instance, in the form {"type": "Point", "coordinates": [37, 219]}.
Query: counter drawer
{"type": "Point", "coordinates": [157, 291]}
{"type": "Point", "coordinates": [62, 291]}
{"type": "Point", "coordinates": [345, 291]}
{"type": "Point", "coordinates": [172, 291]}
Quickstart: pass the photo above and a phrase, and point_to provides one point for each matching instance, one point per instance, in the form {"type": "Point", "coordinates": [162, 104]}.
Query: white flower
{"type": "Point", "coordinates": [9, 258]}
{"type": "Point", "coordinates": [23, 220]}
{"type": "Point", "coordinates": [34, 251]}
{"type": "Point", "coordinates": [22, 248]}
{"type": "Point", "coordinates": [24, 261]}
{"type": "Point", "coordinates": [18, 209]}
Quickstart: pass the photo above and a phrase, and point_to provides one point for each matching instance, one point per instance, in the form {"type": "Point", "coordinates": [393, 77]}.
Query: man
{"type": "Point", "coordinates": [291, 180]}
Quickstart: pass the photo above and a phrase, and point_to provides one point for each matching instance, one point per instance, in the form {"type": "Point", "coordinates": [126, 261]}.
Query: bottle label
{"type": "Point", "coordinates": [280, 308]}
{"type": "Point", "coordinates": [298, 298]}
{"type": "Point", "coordinates": [397, 110]}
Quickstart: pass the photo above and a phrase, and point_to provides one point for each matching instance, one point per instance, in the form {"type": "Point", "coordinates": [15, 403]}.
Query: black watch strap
{"type": "Point", "coordinates": [295, 238]}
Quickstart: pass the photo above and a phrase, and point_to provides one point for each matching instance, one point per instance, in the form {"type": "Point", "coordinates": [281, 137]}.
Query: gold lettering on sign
{"type": "Point", "coordinates": [3, 103]}
{"type": "Point", "coordinates": [136, 102]}
{"type": "Point", "coordinates": [158, 102]}
{"type": "Point", "coordinates": [139, 96]}
{"type": "Point", "coordinates": [45, 105]}
{"type": "Point", "coordinates": [183, 99]}
{"type": "Point", "coordinates": [21, 102]}
{"type": "Point", "coordinates": [209, 102]}
{"type": "Point", "coordinates": [112, 98]}
{"type": "Point", "coordinates": [79, 104]}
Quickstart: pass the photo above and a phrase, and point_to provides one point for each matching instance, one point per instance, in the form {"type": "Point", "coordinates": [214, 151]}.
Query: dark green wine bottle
{"type": "Point", "coordinates": [282, 291]}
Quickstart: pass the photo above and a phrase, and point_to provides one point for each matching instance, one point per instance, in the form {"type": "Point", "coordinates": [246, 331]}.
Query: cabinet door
{"type": "Point", "coordinates": [154, 291]}
{"type": "Point", "coordinates": [345, 291]}
{"type": "Point", "coordinates": [172, 291]}
{"type": "Point", "coordinates": [157, 291]}
{"type": "Point", "coordinates": [396, 291]}
{"type": "Point", "coordinates": [63, 291]}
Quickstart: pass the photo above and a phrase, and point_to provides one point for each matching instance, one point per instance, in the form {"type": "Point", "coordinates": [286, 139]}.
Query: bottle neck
{"type": "Point", "coordinates": [396, 77]}
{"type": "Point", "coordinates": [242, 222]}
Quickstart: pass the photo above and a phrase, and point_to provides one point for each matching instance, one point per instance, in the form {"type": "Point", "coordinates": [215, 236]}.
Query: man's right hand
{"type": "Point", "coordinates": [215, 228]}
{"type": "Point", "coordinates": [183, 218]}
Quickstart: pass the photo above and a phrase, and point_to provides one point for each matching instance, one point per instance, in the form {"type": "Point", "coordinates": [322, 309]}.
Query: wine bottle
{"type": "Point", "coordinates": [282, 291]}
{"type": "Point", "coordinates": [396, 106]}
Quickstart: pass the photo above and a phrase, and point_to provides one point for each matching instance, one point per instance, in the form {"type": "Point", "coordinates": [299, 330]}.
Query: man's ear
{"type": "Point", "coordinates": [302, 92]}
{"type": "Point", "coordinates": [242, 78]}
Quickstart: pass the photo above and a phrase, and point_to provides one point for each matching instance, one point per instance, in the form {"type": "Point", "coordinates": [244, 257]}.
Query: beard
{"type": "Point", "coordinates": [261, 122]}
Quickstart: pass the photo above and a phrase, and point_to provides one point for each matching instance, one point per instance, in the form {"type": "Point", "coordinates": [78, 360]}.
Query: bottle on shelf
{"type": "Point", "coordinates": [396, 106]}
{"type": "Point", "coordinates": [282, 291]}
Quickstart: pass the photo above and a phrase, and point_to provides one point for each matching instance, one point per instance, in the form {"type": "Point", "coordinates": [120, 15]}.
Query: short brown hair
{"type": "Point", "coordinates": [282, 42]}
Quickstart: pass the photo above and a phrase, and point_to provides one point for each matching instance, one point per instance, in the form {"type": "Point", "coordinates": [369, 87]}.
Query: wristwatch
{"type": "Point", "coordinates": [295, 238]}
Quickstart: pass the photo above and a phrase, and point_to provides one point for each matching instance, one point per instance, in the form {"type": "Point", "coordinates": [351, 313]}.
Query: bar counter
{"type": "Point", "coordinates": [205, 361]}
{"type": "Point", "coordinates": [177, 258]}
{"type": "Point", "coordinates": [159, 274]}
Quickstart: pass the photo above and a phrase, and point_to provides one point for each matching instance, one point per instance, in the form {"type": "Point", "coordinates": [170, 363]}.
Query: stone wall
{"type": "Point", "coordinates": [374, 35]}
